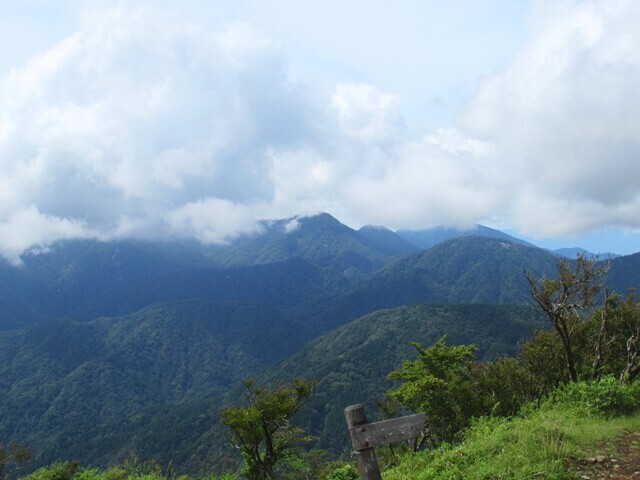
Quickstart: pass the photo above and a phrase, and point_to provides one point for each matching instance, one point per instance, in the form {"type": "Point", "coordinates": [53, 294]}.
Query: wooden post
{"type": "Point", "coordinates": [367, 436]}
{"type": "Point", "coordinates": [367, 462]}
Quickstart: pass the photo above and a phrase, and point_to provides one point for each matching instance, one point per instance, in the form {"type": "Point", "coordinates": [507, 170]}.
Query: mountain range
{"type": "Point", "coordinates": [111, 347]}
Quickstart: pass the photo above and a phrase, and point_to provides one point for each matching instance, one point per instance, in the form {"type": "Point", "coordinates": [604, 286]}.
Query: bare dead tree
{"type": "Point", "coordinates": [567, 299]}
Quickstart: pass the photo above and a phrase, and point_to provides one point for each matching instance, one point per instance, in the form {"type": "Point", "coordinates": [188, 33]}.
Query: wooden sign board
{"type": "Point", "coordinates": [372, 435]}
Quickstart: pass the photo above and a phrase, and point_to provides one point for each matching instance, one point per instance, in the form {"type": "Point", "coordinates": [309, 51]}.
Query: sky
{"type": "Point", "coordinates": [195, 119]}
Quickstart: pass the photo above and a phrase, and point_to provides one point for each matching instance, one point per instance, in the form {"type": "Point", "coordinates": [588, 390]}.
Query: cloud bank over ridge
{"type": "Point", "coordinates": [139, 125]}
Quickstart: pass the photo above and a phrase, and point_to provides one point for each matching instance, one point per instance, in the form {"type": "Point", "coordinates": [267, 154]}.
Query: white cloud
{"type": "Point", "coordinates": [292, 226]}
{"type": "Point", "coordinates": [452, 141]}
{"type": "Point", "coordinates": [366, 113]}
{"type": "Point", "coordinates": [28, 227]}
{"type": "Point", "coordinates": [141, 124]}
{"type": "Point", "coordinates": [242, 45]}
{"type": "Point", "coordinates": [566, 118]}
{"type": "Point", "coordinates": [424, 185]}
{"type": "Point", "coordinates": [212, 220]}
{"type": "Point", "coordinates": [566, 216]}
{"type": "Point", "coordinates": [137, 115]}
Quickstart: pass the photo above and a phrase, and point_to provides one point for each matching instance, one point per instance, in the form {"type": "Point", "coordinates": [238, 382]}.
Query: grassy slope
{"type": "Point", "coordinates": [545, 443]}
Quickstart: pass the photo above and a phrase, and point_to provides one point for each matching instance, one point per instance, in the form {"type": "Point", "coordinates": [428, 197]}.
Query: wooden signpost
{"type": "Point", "coordinates": [366, 436]}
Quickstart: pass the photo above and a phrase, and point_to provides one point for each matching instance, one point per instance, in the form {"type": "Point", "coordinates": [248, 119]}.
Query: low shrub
{"type": "Point", "coordinates": [346, 472]}
{"type": "Point", "coordinates": [604, 398]}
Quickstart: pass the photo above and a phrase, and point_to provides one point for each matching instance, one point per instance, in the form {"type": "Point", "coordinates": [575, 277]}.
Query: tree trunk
{"type": "Point", "coordinates": [573, 375]}
{"type": "Point", "coordinates": [268, 454]}
{"type": "Point", "coordinates": [597, 357]}
{"type": "Point", "coordinates": [561, 328]}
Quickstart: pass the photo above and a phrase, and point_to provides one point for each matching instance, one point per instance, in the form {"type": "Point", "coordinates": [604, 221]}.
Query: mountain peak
{"type": "Point", "coordinates": [432, 236]}
{"type": "Point", "coordinates": [321, 220]}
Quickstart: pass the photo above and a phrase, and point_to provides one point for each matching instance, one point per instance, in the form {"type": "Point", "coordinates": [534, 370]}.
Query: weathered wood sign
{"type": "Point", "coordinates": [396, 430]}
{"type": "Point", "coordinates": [366, 436]}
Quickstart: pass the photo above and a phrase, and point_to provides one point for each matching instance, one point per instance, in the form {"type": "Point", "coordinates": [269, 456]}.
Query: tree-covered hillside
{"type": "Point", "coordinates": [351, 362]}
{"type": "Point", "coordinates": [625, 273]}
{"type": "Point", "coordinates": [78, 389]}
{"type": "Point", "coordinates": [283, 266]}
{"type": "Point", "coordinates": [464, 270]}
{"type": "Point", "coordinates": [61, 379]}
{"type": "Point", "coordinates": [118, 346]}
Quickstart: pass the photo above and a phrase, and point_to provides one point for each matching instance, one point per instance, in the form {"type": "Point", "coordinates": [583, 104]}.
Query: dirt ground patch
{"type": "Point", "coordinates": [617, 459]}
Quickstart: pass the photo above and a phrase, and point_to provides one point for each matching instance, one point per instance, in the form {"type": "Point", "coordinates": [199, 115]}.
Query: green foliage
{"type": "Point", "coordinates": [540, 366]}
{"type": "Point", "coordinates": [14, 456]}
{"type": "Point", "coordinates": [177, 331]}
{"type": "Point", "coordinates": [58, 471]}
{"type": "Point", "coordinates": [262, 430]}
{"type": "Point", "coordinates": [130, 470]}
{"type": "Point", "coordinates": [604, 343]}
{"type": "Point", "coordinates": [300, 464]}
{"type": "Point", "coordinates": [504, 386]}
{"type": "Point", "coordinates": [606, 397]}
{"type": "Point", "coordinates": [439, 383]}
{"type": "Point", "coordinates": [542, 356]}
{"type": "Point", "coordinates": [352, 362]}
{"type": "Point", "coordinates": [345, 472]}
{"type": "Point", "coordinates": [622, 347]}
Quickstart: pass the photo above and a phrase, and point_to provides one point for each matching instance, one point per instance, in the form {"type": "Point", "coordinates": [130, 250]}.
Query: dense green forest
{"type": "Point", "coordinates": [528, 406]}
{"type": "Point", "coordinates": [351, 362]}
{"type": "Point", "coordinates": [588, 361]}
{"type": "Point", "coordinates": [112, 348]}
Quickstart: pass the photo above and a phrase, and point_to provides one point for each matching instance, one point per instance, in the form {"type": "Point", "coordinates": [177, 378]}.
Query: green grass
{"type": "Point", "coordinates": [539, 444]}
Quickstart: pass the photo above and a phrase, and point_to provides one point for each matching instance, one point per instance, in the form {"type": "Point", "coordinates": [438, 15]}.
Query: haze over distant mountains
{"type": "Point", "coordinates": [107, 347]}
{"type": "Point", "coordinates": [429, 237]}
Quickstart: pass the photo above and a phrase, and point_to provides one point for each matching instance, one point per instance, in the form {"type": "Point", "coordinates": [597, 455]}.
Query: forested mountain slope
{"type": "Point", "coordinates": [82, 280]}
{"type": "Point", "coordinates": [107, 347]}
{"type": "Point", "coordinates": [464, 270]}
{"type": "Point", "coordinates": [87, 279]}
{"type": "Point", "coordinates": [351, 363]}
{"type": "Point", "coordinates": [320, 238]}
{"type": "Point", "coordinates": [71, 388]}
{"type": "Point", "coordinates": [62, 378]}
{"type": "Point", "coordinates": [346, 256]}
{"type": "Point", "coordinates": [624, 273]}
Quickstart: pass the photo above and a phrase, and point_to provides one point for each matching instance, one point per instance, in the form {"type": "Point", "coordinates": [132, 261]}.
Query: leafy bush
{"type": "Point", "coordinates": [57, 471]}
{"type": "Point", "coordinates": [504, 386]}
{"type": "Point", "coordinates": [439, 382]}
{"type": "Point", "coordinates": [604, 398]}
{"type": "Point", "coordinates": [346, 472]}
